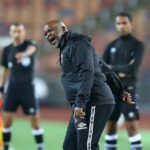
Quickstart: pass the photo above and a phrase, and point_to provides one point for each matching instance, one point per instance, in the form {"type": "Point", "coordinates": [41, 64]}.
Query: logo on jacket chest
{"type": "Point", "coordinates": [61, 58]}
{"type": "Point", "coordinates": [113, 50]}
{"type": "Point", "coordinates": [26, 61]}
{"type": "Point", "coordinates": [10, 64]}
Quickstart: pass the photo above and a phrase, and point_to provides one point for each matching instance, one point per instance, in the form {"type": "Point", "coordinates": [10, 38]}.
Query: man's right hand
{"type": "Point", "coordinates": [127, 98]}
{"type": "Point", "coordinates": [1, 100]}
{"type": "Point", "coordinates": [78, 113]}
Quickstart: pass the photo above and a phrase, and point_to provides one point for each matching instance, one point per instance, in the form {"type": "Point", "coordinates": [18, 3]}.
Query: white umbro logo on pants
{"type": "Point", "coordinates": [82, 126]}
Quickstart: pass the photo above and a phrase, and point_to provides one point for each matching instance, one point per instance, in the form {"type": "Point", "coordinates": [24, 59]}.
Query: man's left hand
{"type": "Point", "coordinates": [127, 98]}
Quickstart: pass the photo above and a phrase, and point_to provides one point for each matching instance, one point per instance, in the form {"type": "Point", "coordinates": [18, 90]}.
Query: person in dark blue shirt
{"type": "Point", "coordinates": [124, 56]}
{"type": "Point", "coordinates": [17, 67]}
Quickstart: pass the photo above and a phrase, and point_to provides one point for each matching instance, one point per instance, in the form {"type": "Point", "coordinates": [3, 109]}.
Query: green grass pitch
{"type": "Point", "coordinates": [22, 138]}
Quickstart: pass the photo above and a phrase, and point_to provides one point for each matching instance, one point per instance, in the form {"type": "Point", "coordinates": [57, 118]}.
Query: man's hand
{"type": "Point", "coordinates": [20, 55]}
{"type": "Point", "coordinates": [122, 75]}
{"type": "Point", "coordinates": [127, 98]}
{"type": "Point", "coordinates": [29, 51]}
{"type": "Point", "coordinates": [78, 113]}
{"type": "Point", "coordinates": [1, 100]}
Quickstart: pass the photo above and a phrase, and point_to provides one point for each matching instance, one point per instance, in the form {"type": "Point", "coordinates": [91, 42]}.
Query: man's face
{"type": "Point", "coordinates": [123, 25]}
{"type": "Point", "coordinates": [53, 34]}
{"type": "Point", "coordinates": [17, 33]}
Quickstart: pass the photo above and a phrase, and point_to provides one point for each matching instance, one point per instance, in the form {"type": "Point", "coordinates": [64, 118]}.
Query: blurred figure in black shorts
{"type": "Point", "coordinates": [124, 55]}
{"type": "Point", "coordinates": [18, 69]}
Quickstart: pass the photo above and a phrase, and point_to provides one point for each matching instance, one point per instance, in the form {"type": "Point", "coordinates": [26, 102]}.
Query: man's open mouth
{"type": "Point", "coordinates": [51, 39]}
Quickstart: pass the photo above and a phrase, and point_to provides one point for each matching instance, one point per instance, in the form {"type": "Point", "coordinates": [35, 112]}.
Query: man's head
{"type": "Point", "coordinates": [17, 33]}
{"type": "Point", "coordinates": [53, 31]}
{"type": "Point", "coordinates": [124, 23]}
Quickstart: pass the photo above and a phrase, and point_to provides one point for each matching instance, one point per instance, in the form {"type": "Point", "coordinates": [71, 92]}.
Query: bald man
{"type": "Point", "coordinates": [85, 85]}
{"type": "Point", "coordinates": [17, 67]}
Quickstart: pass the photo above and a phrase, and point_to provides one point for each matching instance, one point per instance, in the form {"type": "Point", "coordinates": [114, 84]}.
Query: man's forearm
{"type": "Point", "coordinates": [4, 76]}
{"type": "Point", "coordinates": [30, 50]}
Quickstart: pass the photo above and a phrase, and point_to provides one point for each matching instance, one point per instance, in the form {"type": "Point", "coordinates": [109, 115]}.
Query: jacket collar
{"type": "Point", "coordinates": [64, 40]}
{"type": "Point", "coordinates": [126, 36]}
{"type": "Point", "coordinates": [68, 36]}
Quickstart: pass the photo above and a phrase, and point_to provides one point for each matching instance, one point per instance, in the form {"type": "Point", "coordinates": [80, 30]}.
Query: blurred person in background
{"type": "Point", "coordinates": [87, 92]}
{"type": "Point", "coordinates": [124, 56]}
{"type": "Point", "coordinates": [17, 68]}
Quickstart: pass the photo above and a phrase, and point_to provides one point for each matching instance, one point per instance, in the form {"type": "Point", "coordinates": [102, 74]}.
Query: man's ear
{"type": "Point", "coordinates": [64, 28]}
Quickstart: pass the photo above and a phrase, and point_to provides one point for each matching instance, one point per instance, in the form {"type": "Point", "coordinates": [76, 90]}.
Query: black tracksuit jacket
{"type": "Point", "coordinates": [125, 54]}
{"type": "Point", "coordinates": [82, 76]}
